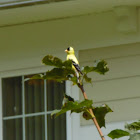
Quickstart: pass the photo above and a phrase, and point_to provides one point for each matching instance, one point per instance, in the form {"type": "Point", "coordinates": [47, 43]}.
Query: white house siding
{"type": "Point", "coordinates": [120, 86]}
{"type": "Point", "coordinates": [94, 36]}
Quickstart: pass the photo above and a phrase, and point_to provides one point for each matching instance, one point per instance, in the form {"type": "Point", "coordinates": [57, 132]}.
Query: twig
{"type": "Point", "coordinates": [92, 113]}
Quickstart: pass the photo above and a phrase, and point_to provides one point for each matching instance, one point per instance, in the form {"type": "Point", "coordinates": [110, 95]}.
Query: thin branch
{"type": "Point", "coordinates": [92, 113]}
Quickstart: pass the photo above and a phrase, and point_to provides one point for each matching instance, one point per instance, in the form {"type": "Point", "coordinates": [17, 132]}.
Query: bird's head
{"type": "Point", "coordinates": [69, 50]}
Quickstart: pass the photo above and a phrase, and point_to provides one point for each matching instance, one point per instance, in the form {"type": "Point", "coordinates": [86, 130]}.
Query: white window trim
{"type": "Point", "coordinates": [27, 71]}
{"type": "Point", "coordinates": [68, 115]}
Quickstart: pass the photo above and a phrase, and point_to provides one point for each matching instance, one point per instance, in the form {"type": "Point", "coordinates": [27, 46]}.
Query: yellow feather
{"type": "Point", "coordinates": [72, 57]}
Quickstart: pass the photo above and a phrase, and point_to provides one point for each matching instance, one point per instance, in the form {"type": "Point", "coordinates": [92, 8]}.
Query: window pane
{"type": "Point", "coordinates": [12, 129]}
{"type": "Point", "coordinates": [34, 96]}
{"type": "Point", "coordinates": [55, 94]}
{"type": "Point", "coordinates": [12, 96]}
{"type": "Point", "coordinates": [35, 128]}
{"type": "Point", "coordinates": [56, 127]}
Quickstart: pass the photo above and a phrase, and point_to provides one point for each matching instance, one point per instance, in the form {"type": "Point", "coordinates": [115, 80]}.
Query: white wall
{"type": "Point", "coordinates": [82, 132]}
{"type": "Point", "coordinates": [119, 88]}
{"type": "Point", "coordinates": [30, 42]}
{"type": "Point", "coordinates": [23, 46]}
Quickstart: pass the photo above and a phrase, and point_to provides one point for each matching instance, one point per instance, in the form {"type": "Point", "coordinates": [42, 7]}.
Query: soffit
{"type": "Point", "coordinates": [59, 10]}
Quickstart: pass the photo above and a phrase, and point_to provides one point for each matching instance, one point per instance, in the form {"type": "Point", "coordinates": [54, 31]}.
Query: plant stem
{"type": "Point", "coordinates": [92, 113]}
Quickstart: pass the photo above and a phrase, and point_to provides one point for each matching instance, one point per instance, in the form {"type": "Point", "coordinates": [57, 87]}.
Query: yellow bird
{"type": "Point", "coordinates": [75, 64]}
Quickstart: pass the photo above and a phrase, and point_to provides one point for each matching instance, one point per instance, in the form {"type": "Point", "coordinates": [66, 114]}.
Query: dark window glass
{"type": "Point", "coordinates": [56, 127]}
{"type": "Point", "coordinates": [12, 96]}
{"type": "Point", "coordinates": [13, 91]}
{"type": "Point", "coordinates": [55, 94]}
{"type": "Point", "coordinates": [12, 129]}
{"type": "Point", "coordinates": [34, 96]}
{"type": "Point", "coordinates": [35, 128]}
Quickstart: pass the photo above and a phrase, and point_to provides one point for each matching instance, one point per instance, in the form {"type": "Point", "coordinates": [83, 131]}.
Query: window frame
{"type": "Point", "coordinates": [28, 71]}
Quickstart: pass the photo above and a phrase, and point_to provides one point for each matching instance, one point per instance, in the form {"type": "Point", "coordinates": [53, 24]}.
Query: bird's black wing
{"type": "Point", "coordinates": [77, 67]}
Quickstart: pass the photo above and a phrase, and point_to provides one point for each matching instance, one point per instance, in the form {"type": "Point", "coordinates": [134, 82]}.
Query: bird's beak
{"type": "Point", "coordinates": [66, 50]}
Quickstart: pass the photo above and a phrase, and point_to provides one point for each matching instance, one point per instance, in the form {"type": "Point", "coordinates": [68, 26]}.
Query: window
{"type": "Point", "coordinates": [27, 107]}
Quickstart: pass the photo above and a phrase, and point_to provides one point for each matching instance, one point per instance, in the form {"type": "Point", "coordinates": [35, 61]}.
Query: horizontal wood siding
{"type": "Point", "coordinates": [120, 87]}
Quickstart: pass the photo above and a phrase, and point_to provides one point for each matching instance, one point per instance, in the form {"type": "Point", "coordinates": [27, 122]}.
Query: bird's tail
{"type": "Point", "coordinates": [78, 77]}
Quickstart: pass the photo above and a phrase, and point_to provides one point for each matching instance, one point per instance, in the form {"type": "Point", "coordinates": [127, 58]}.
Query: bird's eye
{"type": "Point", "coordinates": [68, 48]}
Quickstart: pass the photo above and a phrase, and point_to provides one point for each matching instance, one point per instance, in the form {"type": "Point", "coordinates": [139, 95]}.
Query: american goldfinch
{"type": "Point", "coordinates": [75, 63]}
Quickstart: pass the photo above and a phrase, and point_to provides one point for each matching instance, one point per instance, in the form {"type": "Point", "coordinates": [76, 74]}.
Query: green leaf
{"type": "Point", "coordinates": [87, 79]}
{"type": "Point", "coordinates": [75, 107]}
{"type": "Point", "coordinates": [63, 70]}
{"type": "Point", "coordinates": [67, 64]}
{"type": "Point", "coordinates": [58, 74]}
{"type": "Point", "coordinates": [87, 69]}
{"type": "Point", "coordinates": [37, 76]}
{"type": "Point", "coordinates": [52, 61]}
{"type": "Point", "coordinates": [55, 61]}
{"type": "Point", "coordinates": [100, 113]}
{"type": "Point", "coordinates": [55, 112]}
{"type": "Point", "coordinates": [82, 106]}
{"type": "Point", "coordinates": [100, 67]}
{"type": "Point", "coordinates": [133, 126]}
{"type": "Point", "coordinates": [118, 133]}
{"type": "Point", "coordinates": [74, 80]}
